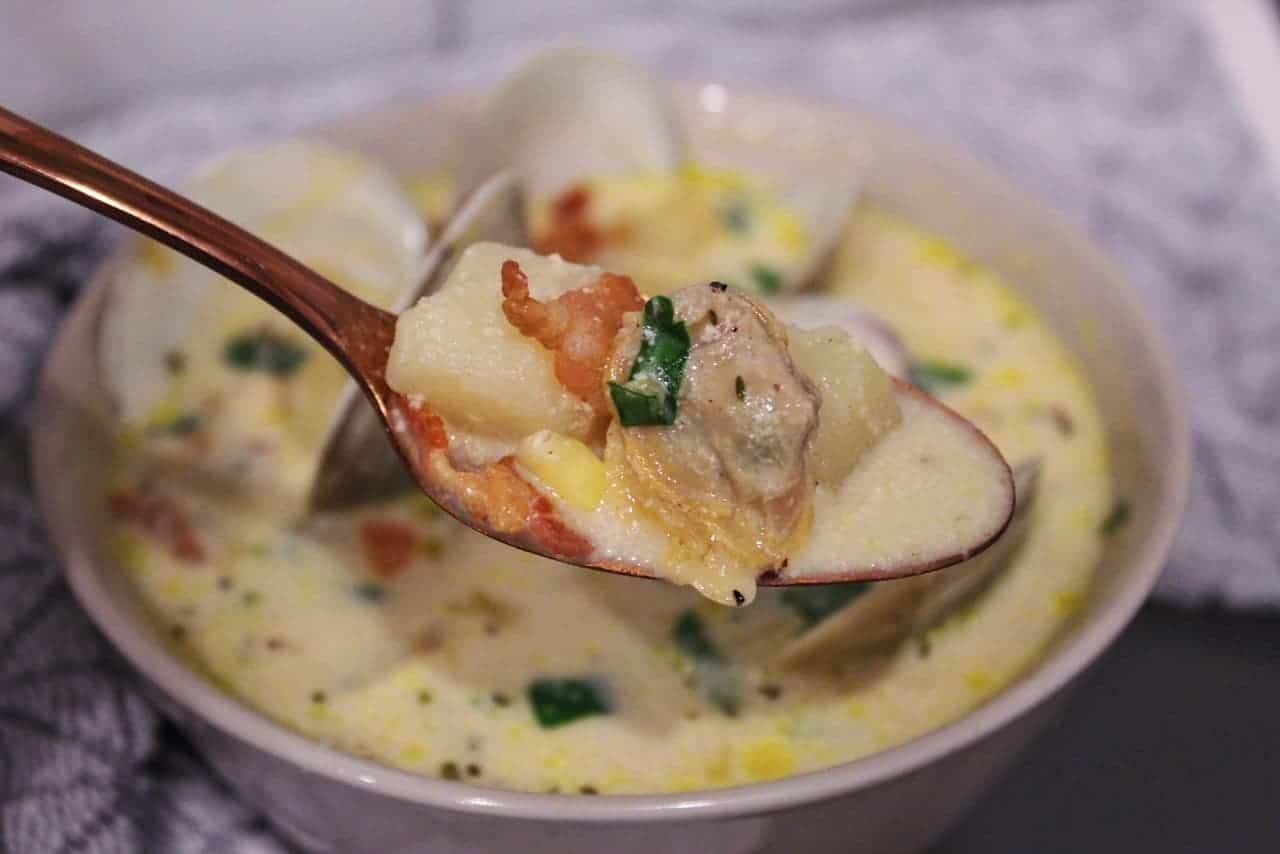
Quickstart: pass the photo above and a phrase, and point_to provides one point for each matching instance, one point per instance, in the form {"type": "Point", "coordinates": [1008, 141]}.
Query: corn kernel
{"type": "Point", "coordinates": [566, 465]}
{"type": "Point", "coordinates": [768, 759]}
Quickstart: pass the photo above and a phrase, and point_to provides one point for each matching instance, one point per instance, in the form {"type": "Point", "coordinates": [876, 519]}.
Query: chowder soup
{"type": "Point", "coordinates": [393, 633]}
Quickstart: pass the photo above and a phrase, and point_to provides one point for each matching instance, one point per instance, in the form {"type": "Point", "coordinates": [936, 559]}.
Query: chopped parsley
{"type": "Point", "coordinates": [736, 216]}
{"type": "Point", "coordinates": [816, 602]}
{"type": "Point", "coordinates": [650, 393]}
{"type": "Point", "coordinates": [717, 679]}
{"type": "Point", "coordinates": [767, 280]}
{"type": "Point", "coordinates": [265, 351]}
{"type": "Point", "coordinates": [370, 592]}
{"type": "Point", "coordinates": [557, 702]}
{"type": "Point", "coordinates": [1116, 519]}
{"type": "Point", "coordinates": [690, 635]}
{"type": "Point", "coordinates": [934, 375]}
{"type": "Point", "coordinates": [183, 425]}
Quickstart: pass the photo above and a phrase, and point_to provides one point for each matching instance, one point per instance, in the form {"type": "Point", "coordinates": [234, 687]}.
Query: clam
{"type": "Point", "coordinates": [889, 611]}
{"type": "Point", "coordinates": [167, 324]}
{"type": "Point", "coordinates": [570, 114]}
{"type": "Point", "coordinates": [570, 117]}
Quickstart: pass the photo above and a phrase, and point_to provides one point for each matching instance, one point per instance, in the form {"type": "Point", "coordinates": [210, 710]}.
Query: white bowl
{"type": "Point", "coordinates": [895, 801]}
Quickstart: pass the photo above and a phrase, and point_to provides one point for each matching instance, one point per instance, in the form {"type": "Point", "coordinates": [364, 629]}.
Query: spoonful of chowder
{"type": "Point", "coordinates": [691, 437]}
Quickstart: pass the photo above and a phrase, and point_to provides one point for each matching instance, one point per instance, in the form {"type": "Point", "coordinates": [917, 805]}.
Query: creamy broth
{"type": "Point", "coordinates": [395, 634]}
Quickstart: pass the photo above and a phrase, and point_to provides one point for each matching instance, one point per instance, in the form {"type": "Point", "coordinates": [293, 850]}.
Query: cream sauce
{"type": "Point", "coordinates": [420, 645]}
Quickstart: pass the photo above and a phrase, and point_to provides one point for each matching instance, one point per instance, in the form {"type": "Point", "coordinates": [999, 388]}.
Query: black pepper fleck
{"type": "Point", "coordinates": [713, 317]}
{"type": "Point", "coordinates": [424, 697]}
{"type": "Point", "coordinates": [175, 361]}
{"type": "Point", "coordinates": [740, 387]}
{"type": "Point", "coordinates": [770, 691]}
{"type": "Point", "coordinates": [738, 598]}
{"type": "Point", "coordinates": [225, 583]}
{"type": "Point", "coordinates": [251, 597]}
{"type": "Point", "coordinates": [319, 696]}
{"type": "Point", "coordinates": [449, 771]}
{"type": "Point", "coordinates": [719, 287]}
{"type": "Point", "coordinates": [589, 790]}
{"type": "Point", "coordinates": [500, 699]}
{"type": "Point", "coordinates": [473, 770]}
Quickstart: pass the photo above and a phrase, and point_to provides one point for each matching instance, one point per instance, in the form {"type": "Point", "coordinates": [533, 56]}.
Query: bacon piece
{"type": "Point", "coordinates": [496, 495]}
{"type": "Point", "coordinates": [571, 235]}
{"type": "Point", "coordinates": [160, 518]}
{"type": "Point", "coordinates": [578, 326]}
{"type": "Point", "coordinates": [388, 546]}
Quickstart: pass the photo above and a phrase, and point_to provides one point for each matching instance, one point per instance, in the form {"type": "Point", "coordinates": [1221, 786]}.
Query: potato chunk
{"type": "Point", "coordinates": [858, 400]}
{"type": "Point", "coordinates": [456, 350]}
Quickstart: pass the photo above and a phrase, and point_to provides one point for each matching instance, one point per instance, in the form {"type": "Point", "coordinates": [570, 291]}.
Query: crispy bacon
{"type": "Point", "coordinates": [571, 235]}
{"type": "Point", "coordinates": [496, 495]}
{"type": "Point", "coordinates": [160, 518]}
{"type": "Point", "coordinates": [578, 326]}
{"type": "Point", "coordinates": [388, 546]}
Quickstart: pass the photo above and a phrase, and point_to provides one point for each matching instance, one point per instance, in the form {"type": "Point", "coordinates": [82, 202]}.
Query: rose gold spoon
{"type": "Point", "coordinates": [360, 335]}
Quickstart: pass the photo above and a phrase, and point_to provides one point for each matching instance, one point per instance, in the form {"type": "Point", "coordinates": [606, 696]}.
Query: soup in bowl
{"type": "Point", "coordinates": [377, 675]}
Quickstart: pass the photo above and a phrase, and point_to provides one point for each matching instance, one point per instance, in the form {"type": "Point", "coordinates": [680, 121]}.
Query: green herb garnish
{"type": "Point", "coordinates": [767, 279]}
{"type": "Point", "coordinates": [649, 395]}
{"type": "Point", "coordinates": [816, 602]}
{"type": "Point", "coordinates": [736, 216]}
{"type": "Point", "coordinates": [690, 635]}
{"type": "Point", "coordinates": [557, 702]}
{"type": "Point", "coordinates": [370, 592]}
{"type": "Point", "coordinates": [933, 375]}
{"type": "Point", "coordinates": [183, 425]}
{"type": "Point", "coordinates": [717, 679]}
{"type": "Point", "coordinates": [265, 351]}
{"type": "Point", "coordinates": [1116, 519]}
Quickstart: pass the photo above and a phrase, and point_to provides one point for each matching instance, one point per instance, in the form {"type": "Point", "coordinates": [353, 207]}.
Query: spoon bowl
{"type": "Point", "coordinates": [358, 334]}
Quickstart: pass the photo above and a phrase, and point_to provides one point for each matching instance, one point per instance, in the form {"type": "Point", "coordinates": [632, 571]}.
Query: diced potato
{"type": "Point", "coordinates": [858, 399]}
{"type": "Point", "coordinates": [566, 465]}
{"type": "Point", "coordinates": [456, 350]}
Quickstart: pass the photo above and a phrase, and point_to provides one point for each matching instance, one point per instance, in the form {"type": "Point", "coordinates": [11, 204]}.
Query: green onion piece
{"type": "Point", "coordinates": [265, 351]}
{"type": "Point", "coordinates": [557, 702]}
{"type": "Point", "coordinates": [636, 409]}
{"type": "Point", "coordinates": [1116, 519]}
{"type": "Point", "coordinates": [736, 216]}
{"type": "Point", "coordinates": [816, 602]}
{"type": "Point", "coordinates": [933, 375]}
{"type": "Point", "coordinates": [767, 279]}
{"type": "Point", "coordinates": [718, 679]}
{"type": "Point", "coordinates": [370, 592]}
{"type": "Point", "coordinates": [649, 396]}
{"type": "Point", "coordinates": [183, 425]}
{"type": "Point", "coordinates": [690, 635]}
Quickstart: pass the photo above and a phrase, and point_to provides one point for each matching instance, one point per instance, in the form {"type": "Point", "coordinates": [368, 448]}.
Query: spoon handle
{"type": "Point", "coordinates": [354, 331]}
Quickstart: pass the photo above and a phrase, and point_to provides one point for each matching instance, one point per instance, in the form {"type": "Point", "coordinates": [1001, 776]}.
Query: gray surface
{"type": "Point", "coordinates": [1171, 744]}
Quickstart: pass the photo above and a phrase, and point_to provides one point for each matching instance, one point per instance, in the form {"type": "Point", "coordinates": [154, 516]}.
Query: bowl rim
{"type": "Point", "coordinates": [1067, 659]}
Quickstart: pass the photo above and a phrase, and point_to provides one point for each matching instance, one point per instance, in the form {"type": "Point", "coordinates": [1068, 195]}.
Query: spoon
{"type": "Point", "coordinates": [886, 613]}
{"type": "Point", "coordinates": [356, 465]}
{"type": "Point", "coordinates": [358, 335]}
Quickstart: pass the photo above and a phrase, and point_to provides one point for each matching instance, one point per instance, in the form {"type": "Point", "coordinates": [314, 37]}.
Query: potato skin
{"type": "Point", "coordinates": [456, 350]}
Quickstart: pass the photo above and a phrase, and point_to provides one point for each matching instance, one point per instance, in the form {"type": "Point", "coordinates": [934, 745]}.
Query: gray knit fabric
{"type": "Point", "coordinates": [1113, 111]}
